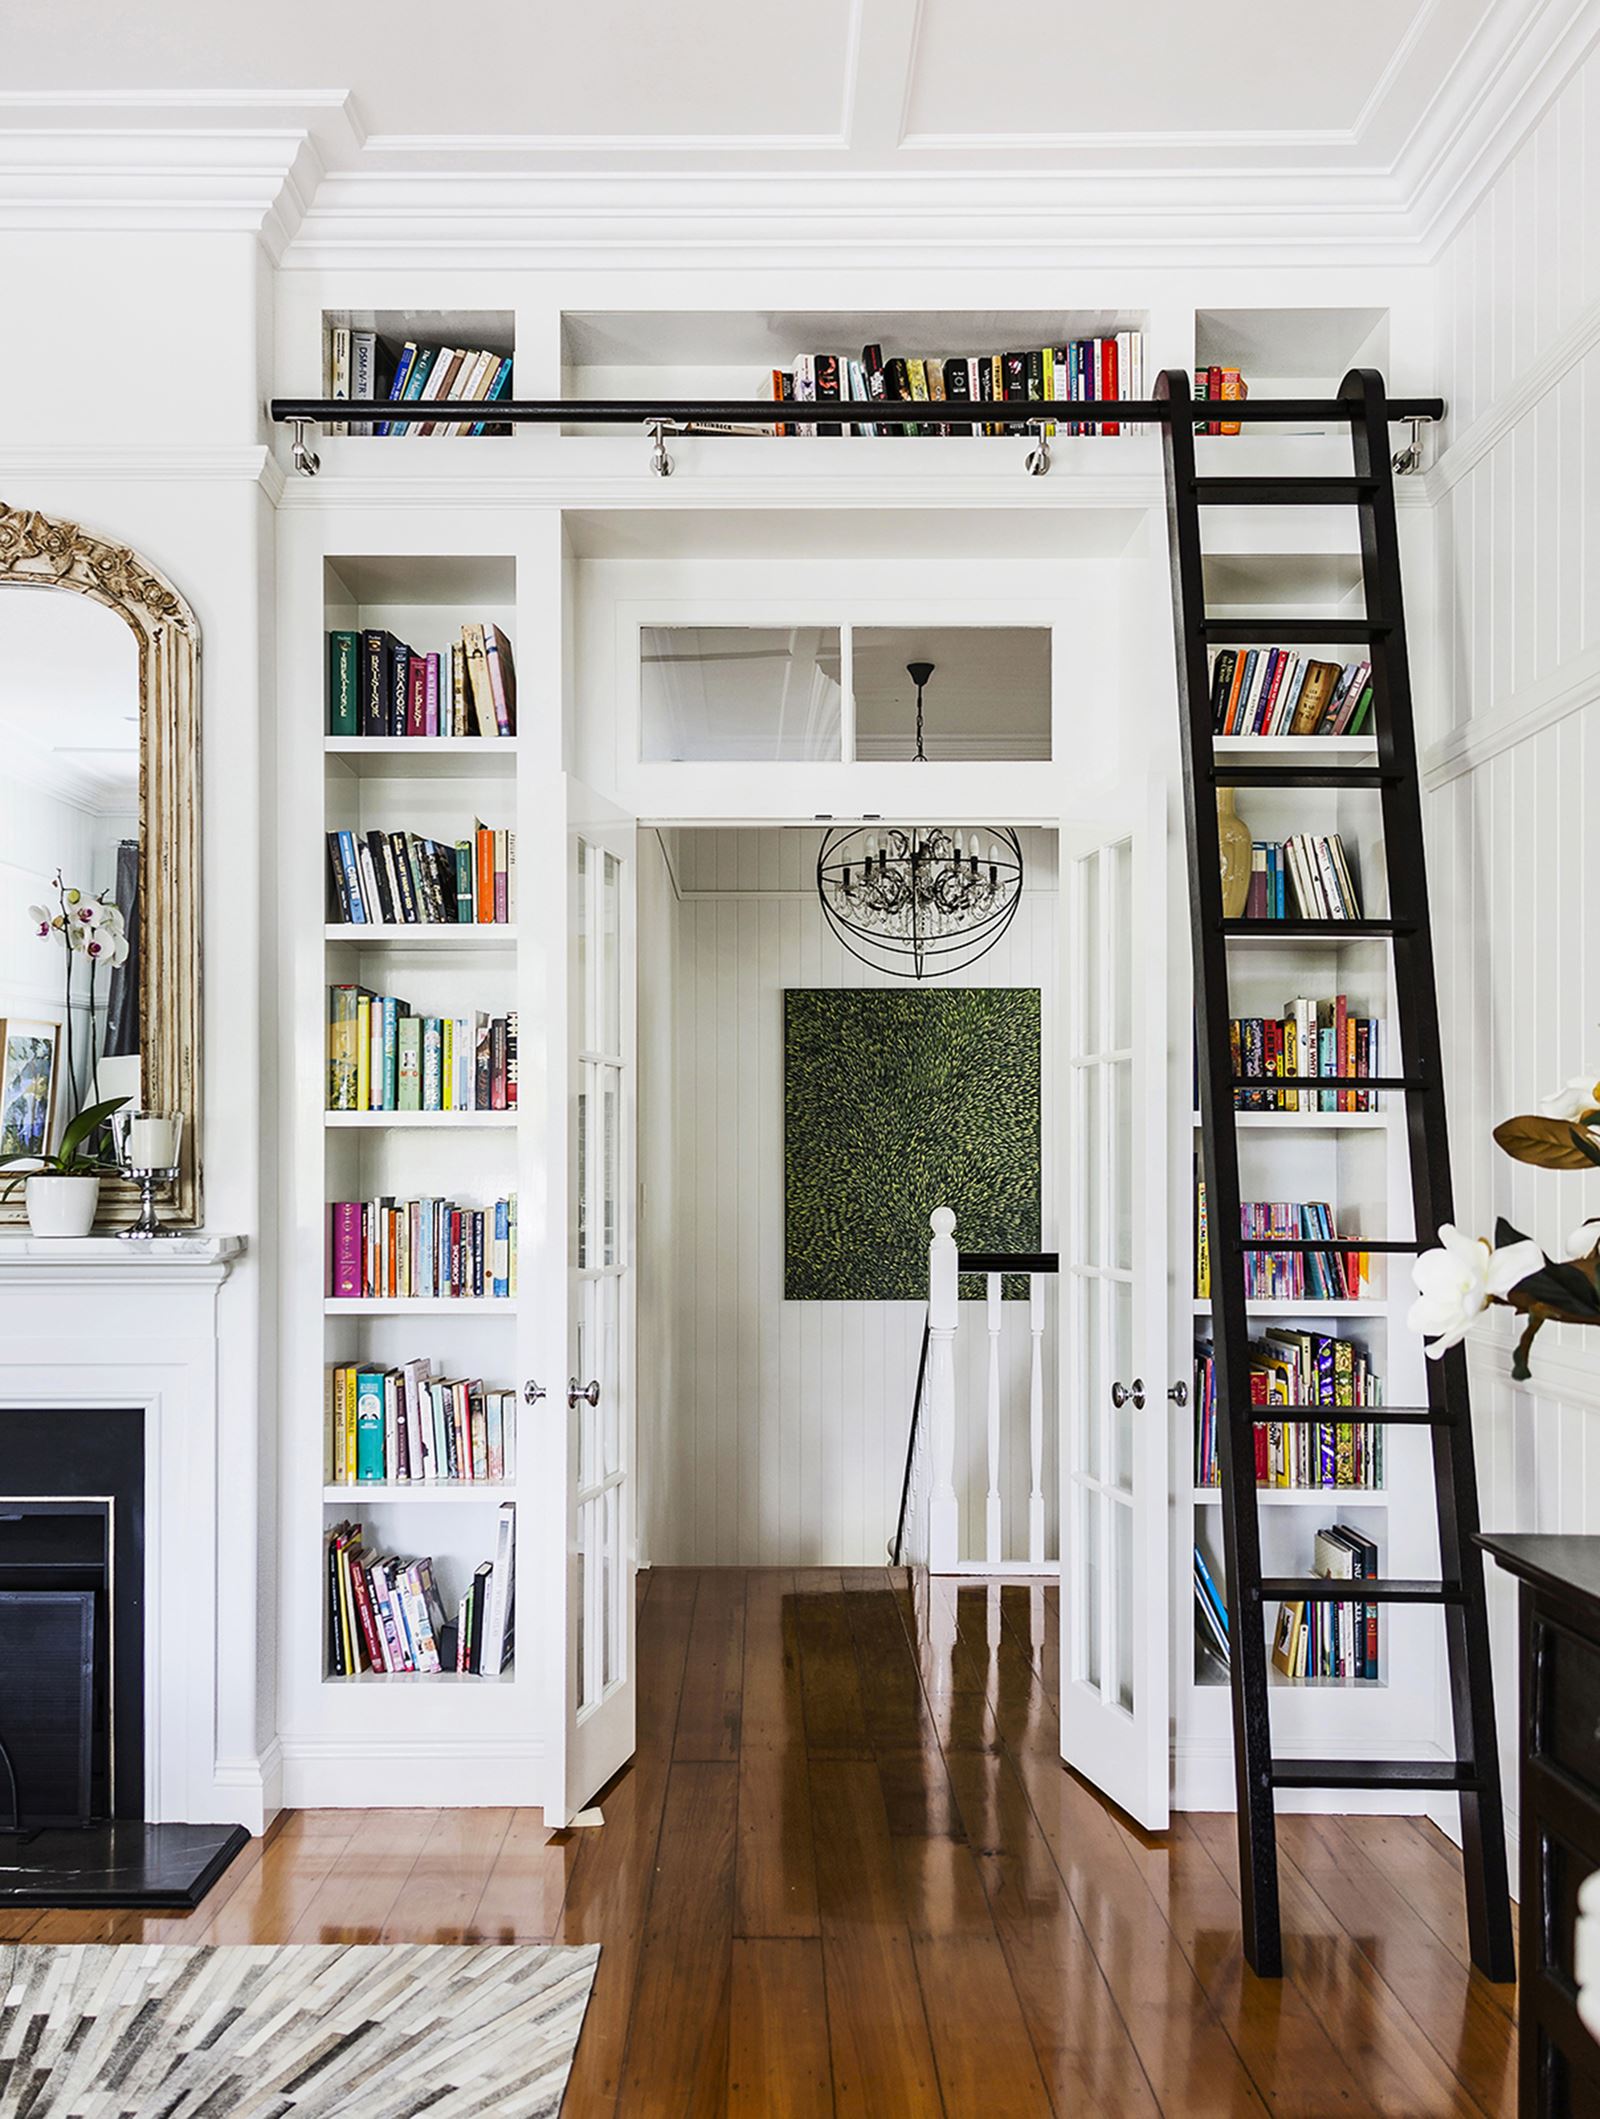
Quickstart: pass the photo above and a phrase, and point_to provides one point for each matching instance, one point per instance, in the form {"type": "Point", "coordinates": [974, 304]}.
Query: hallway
{"type": "Point", "coordinates": [847, 1873]}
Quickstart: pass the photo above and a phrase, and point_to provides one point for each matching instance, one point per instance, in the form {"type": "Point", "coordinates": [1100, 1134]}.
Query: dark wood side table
{"type": "Point", "coordinates": [1558, 2062]}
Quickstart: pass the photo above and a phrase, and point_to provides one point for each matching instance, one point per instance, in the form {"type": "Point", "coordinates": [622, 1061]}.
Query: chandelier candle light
{"type": "Point", "coordinates": [919, 899]}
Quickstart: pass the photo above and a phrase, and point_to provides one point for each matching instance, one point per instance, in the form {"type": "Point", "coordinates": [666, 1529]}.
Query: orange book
{"type": "Point", "coordinates": [1233, 388]}
{"type": "Point", "coordinates": [484, 873]}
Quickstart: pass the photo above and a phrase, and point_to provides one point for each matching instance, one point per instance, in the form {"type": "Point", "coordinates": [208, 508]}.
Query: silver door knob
{"type": "Point", "coordinates": [1179, 1392]}
{"type": "Point", "coordinates": [532, 1392]}
{"type": "Point", "coordinates": [1129, 1394]}
{"type": "Point", "coordinates": [588, 1392]}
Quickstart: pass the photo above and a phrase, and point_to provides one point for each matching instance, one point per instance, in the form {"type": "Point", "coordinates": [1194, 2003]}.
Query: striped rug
{"type": "Point", "coordinates": [361, 2031]}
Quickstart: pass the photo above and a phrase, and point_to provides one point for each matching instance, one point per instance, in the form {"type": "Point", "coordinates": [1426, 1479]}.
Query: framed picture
{"type": "Point", "coordinates": [29, 1055]}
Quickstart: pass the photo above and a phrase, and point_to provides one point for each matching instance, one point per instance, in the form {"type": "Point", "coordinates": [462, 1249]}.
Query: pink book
{"type": "Point", "coordinates": [430, 698]}
{"type": "Point", "coordinates": [345, 1248]}
{"type": "Point", "coordinates": [416, 691]}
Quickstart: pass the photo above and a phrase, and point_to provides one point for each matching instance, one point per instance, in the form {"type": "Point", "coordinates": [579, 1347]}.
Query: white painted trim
{"type": "Point", "coordinates": [1517, 402]}
{"type": "Point", "coordinates": [173, 462]}
{"type": "Point", "coordinates": [1530, 709]}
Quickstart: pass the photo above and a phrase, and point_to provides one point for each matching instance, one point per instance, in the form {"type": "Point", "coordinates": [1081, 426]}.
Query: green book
{"type": "Point", "coordinates": [410, 1063]}
{"type": "Point", "coordinates": [344, 710]}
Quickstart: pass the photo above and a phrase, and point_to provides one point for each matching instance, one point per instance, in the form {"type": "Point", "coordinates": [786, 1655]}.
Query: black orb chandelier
{"type": "Point", "coordinates": [918, 900]}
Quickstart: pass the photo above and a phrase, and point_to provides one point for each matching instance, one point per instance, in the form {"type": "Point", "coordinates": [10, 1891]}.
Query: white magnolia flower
{"type": "Point", "coordinates": [1584, 1237]}
{"type": "Point", "coordinates": [1456, 1283]}
{"type": "Point", "coordinates": [1578, 1094]}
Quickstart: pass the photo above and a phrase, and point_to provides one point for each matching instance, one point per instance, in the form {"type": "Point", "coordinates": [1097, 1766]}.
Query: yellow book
{"type": "Point", "coordinates": [363, 1100]}
{"type": "Point", "coordinates": [447, 1063]}
{"type": "Point", "coordinates": [350, 1393]}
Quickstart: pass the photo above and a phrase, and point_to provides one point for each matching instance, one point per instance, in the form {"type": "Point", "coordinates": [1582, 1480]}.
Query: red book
{"type": "Point", "coordinates": [417, 696]}
{"type": "Point", "coordinates": [1108, 380]}
{"type": "Point", "coordinates": [1214, 390]}
{"type": "Point", "coordinates": [361, 1589]}
{"type": "Point", "coordinates": [1341, 1064]}
{"type": "Point", "coordinates": [1258, 1396]}
{"type": "Point", "coordinates": [344, 1248]}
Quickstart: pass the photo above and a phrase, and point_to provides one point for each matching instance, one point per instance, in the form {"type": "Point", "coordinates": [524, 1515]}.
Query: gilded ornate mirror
{"type": "Point", "coordinates": [99, 721]}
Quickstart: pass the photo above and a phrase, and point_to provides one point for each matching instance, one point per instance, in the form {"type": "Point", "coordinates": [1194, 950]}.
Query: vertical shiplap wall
{"type": "Point", "coordinates": [1512, 765]}
{"type": "Point", "coordinates": [778, 1436]}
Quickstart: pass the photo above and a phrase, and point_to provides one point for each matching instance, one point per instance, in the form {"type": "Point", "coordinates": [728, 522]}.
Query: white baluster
{"type": "Point", "coordinates": [1036, 1421]}
{"type": "Point", "coordinates": [991, 1513]}
{"type": "Point", "coordinates": [944, 1315]}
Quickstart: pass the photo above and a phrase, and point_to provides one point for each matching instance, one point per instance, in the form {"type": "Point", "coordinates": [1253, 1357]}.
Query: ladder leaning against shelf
{"type": "Point", "coordinates": [1473, 1774]}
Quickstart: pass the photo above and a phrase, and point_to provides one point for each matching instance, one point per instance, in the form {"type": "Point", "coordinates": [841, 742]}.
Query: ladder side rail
{"type": "Point", "coordinates": [1417, 1025]}
{"type": "Point", "coordinates": [1241, 1531]}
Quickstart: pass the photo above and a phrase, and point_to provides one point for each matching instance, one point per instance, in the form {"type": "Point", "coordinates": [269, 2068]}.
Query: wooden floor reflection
{"type": "Point", "coordinates": [846, 1873]}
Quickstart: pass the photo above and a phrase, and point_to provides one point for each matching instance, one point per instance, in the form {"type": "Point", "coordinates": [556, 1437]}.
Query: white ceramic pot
{"type": "Point", "coordinates": [62, 1206]}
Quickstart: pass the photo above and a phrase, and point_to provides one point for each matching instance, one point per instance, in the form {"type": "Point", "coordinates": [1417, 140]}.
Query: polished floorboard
{"type": "Point", "coordinates": [847, 1874]}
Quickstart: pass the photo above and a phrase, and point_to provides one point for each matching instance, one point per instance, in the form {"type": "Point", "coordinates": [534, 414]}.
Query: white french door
{"type": "Point", "coordinates": [1115, 1367]}
{"type": "Point", "coordinates": [582, 1308]}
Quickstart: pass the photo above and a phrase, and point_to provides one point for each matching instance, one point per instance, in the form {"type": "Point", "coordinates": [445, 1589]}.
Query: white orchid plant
{"type": "Point", "coordinates": [1467, 1275]}
{"type": "Point", "coordinates": [90, 929]}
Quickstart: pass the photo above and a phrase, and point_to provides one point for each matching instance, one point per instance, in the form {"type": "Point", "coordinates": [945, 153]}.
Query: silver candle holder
{"type": "Point", "coordinates": [147, 1146]}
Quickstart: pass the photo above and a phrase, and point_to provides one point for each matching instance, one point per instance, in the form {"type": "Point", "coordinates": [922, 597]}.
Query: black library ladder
{"type": "Point", "coordinates": [1474, 1772]}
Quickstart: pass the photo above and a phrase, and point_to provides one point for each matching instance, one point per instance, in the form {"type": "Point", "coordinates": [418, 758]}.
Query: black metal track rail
{"type": "Point", "coordinates": [1473, 1773]}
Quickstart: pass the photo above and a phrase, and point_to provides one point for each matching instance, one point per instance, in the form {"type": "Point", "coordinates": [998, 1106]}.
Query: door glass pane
{"type": "Point", "coordinates": [611, 1106]}
{"type": "Point", "coordinates": [608, 1612]}
{"type": "Point", "coordinates": [583, 1369]}
{"type": "Point", "coordinates": [1094, 1376]}
{"type": "Point", "coordinates": [988, 695]}
{"type": "Point", "coordinates": [1092, 1176]}
{"type": "Point", "coordinates": [739, 692]}
{"type": "Point", "coordinates": [1089, 968]}
{"type": "Point", "coordinates": [1117, 896]}
{"type": "Point", "coordinates": [1119, 1091]}
{"type": "Point", "coordinates": [1122, 1630]}
{"type": "Point", "coordinates": [608, 1294]}
{"type": "Point", "coordinates": [1089, 1665]}
{"type": "Point", "coordinates": [610, 1037]}
{"type": "Point", "coordinates": [581, 1203]}
{"type": "Point", "coordinates": [1120, 1366]}
{"type": "Point", "coordinates": [580, 966]}
{"type": "Point", "coordinates": [580, 1590]}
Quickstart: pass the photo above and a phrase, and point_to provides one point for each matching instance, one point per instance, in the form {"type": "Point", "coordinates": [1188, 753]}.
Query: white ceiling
{"type": "Point", "coordinates": [862, 80]}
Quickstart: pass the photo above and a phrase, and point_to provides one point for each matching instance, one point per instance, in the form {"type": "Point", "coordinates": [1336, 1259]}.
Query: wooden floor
{"type": "Point", "coordinates": [846, 1873]}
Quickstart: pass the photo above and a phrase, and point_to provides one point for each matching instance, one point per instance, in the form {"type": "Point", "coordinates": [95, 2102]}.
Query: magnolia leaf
{"type": "Point", "coordinates": [1547, 1143]}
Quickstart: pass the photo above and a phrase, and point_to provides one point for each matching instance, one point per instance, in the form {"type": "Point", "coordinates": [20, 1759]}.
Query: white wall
{"type": "Point", "coordinates": [1512, 759]}
{"type": "Point", "coordinates": [773, 1433]}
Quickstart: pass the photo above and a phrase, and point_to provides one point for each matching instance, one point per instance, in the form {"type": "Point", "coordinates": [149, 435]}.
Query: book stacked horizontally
{"type": "Point", "coordinates": [1272, 691]}
{"type": "Point", "coordinates": [364, 365]}
{"type": "Point", "coordinates": [381, 1057]}
{"type": "Point", "coordinates": [1299, 1369]}
{"type": "Point", "coordinates": [1081, 369]}
{"type": "Point", "coordinates": [401, 879]}
{"type": "Point", "coordinates": [407, 1426]}
{"type": "Point", "coordinates": [421, 1250]}
{"type": "Point", "coordinates": [377, 686]}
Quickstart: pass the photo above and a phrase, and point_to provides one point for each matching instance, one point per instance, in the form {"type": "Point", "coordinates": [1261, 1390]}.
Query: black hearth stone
{"type": "Point", "coordinates": [119, 1864]}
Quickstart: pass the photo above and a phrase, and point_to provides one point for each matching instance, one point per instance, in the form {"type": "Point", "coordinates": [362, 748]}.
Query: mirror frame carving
{"type": "Point", "coordinates": [43, 551]}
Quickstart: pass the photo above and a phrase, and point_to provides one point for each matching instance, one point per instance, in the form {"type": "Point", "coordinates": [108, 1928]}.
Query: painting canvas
{"type": "Point", "coordinates": [896, 1103]}
{"type": "Point", "coordinates": [28, 1055]}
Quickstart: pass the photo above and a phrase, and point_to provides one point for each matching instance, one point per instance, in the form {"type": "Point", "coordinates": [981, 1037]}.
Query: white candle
{"type": "Point", "coordinates": [152, 1143]}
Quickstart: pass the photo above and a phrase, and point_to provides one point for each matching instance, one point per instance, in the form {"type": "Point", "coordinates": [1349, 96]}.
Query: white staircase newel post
{"type": "Point", "coordinates": [1036, 1421]}
{"type": "Point", "coordinates": [944, 1314]}
{"type": "Point", "coordinates": [991, 1513]}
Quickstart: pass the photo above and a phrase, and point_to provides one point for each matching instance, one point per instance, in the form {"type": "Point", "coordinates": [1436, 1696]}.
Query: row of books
{"type": "Point", "coordinates": [1332, 1640]}
{"type": "Point", "coordinates": [1273, 691]}
{"type": "Point", "coordinates": [1334, 1275]}
{"type": "Point", "coordinates": [1210, 1611]}
{"type": "Point", "coordinates": [377, 686]}
{"type": "Point", "coordinates": [421, 1250]}
{"type": "Point", "coordinates": [1085, 368]}
{"type": "Point", "coordinates": [401, 879]}
{"type": "Point", "coordinates": [1298, 1368]}
{"type": "Point", "coordinates": [386, 1614]}
{"type": "Point", "coordinates": [1219, 386]}
{"type": "Point", "coordinates": [1304, 877]}
{"type": "Point", "coordinates": [362, 365]}
{"type": "Point", "coordinates": [381, 1057]}
{"type": "Point", "coordinates": [1311, 1037]}
{"type": "Point", "coordinates": [407, 1426]}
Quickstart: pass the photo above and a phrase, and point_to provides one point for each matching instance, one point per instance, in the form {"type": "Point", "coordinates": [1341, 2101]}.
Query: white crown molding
{"type": "Point", "coordinates": [146, 463]}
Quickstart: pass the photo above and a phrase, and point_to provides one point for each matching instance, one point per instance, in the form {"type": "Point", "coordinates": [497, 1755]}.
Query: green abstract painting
{"type": "Point", "coordinates": [895, 1103]}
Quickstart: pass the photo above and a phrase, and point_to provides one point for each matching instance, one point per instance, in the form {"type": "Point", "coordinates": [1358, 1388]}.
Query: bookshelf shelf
{"type": "Point", "coordinates": [1369, 1308]}
{"type": "Point", "coordinates": [462, 1306]}
{"type": "Point", "coordinates": [422, 1677]}
{"type": "Point", "coordinates": [1302, 749]}
{"type": "Point", "coordinates": [420, 1494]}
{"type": "Point", "coordinates": [1323, 1497]}
{"type": "Point", "coordinates": [420, 1121]}
{"type": "Point", "coordinates": [424, 935]}
{"type": "Point", "coordinates": [422, 757]}
{"type": "Point", "coordinates": [1309, 1121]}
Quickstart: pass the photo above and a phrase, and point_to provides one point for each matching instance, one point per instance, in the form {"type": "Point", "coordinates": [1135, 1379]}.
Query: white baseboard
{"type": "Point", "coordinates": [439, 1773]}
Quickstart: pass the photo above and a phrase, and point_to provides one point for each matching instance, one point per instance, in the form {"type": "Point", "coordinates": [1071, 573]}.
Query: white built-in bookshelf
{"type": "Point", "coordinates": [420, 538]}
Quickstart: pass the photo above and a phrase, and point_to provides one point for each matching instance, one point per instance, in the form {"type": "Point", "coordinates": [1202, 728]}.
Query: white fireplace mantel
{"type": "Point", "coordinates": [94, 1321]}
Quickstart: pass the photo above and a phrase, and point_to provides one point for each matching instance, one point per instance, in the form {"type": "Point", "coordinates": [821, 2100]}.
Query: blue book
{"type": "Point", "coordinates": [369, 1424]}
{"type": "Point", "coordinates": [502, 1243]}
{"type": "Point", "coordinates": [498, 388]}
{"type": "Point", "coordinates": [420, 366]}
{"type": "Point", "coordinates": [352, 878]}
{"type": "Point", "coordinates": [432, 1064]}
{"type": "Point", "coordinates": [1210, 1589]}
{"type": "Point", "coordinates": [397, 389]}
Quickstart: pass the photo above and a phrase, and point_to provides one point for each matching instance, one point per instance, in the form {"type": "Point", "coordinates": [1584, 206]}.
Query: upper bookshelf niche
{"type": "Point", "coordinates": [732, 354]}
{"type": "Point", "coordinates": [454, 355]}
{"type": "Point", "coordinates": [1291, 352]}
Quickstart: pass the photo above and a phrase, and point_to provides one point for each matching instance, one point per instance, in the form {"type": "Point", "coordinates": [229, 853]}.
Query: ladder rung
{"type": "Point", "coordinates": [1330, 1081]}
{"type": "Point", "coordinates": [1275, 632]}
{"type": "Point", "coordinates": [1320, 1589]}
{"type": "Point", "coordinates": [1404, 1244]}
{"type": "Point", "coordinates": [1304, 775]}
{"type": "Point", "coordinates": [1308, 930]}
{"type": "Point", "coordinates": [1377, 1415]}
{"type": "Point", "coordinates": [1374, 1773]}
{"type": "Point", "coordinates": [1270, 492]}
